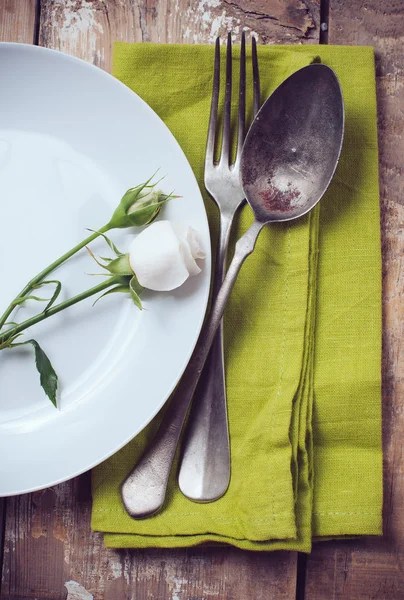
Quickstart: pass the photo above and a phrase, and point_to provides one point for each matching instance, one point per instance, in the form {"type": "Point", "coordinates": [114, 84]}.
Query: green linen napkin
{"type": "Point", "coordinates": [302, 333]}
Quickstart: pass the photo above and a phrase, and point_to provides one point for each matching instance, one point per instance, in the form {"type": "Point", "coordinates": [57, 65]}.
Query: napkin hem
{"type": "Point", "coordinates": [301, 544]}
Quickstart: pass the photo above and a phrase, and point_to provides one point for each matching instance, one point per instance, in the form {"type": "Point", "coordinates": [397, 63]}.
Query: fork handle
{"type": "Point", "coordinates": [144, 490]}
{"type": "Point", "coordinates": [204, 474]}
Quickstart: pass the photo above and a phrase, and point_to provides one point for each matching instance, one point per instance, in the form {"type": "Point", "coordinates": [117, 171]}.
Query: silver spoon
{"type": "Point", "coordinates": [289, 158]}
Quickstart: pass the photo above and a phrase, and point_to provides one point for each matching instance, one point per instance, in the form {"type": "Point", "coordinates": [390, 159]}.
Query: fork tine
{"type": "Point", "coordinates": [225, 154]}
{"type": "Point", "coordinates": [256, 77]}
{"type": "Point", "coordinates": [210, 144]}
{"type": "Point", "coordinates": [241, 100]}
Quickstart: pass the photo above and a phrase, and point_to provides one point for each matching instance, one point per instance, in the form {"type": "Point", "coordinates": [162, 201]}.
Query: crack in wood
{"type": "Point", "coordinates": [262, 16]}
{"type": "Point", "coordinates": [107, 16]}
{"type": "Point", "coordinates": [250, 13]}
{"type": "Point", "coordinates": [142, 22]}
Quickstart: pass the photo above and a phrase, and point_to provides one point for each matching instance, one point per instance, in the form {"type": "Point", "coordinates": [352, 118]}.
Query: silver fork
{"type": "Point", "coordinates": [205, 467]}
{"type": "Point", "coordinates": [143, 491]}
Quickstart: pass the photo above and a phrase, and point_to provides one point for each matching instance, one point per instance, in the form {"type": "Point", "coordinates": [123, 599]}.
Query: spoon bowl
{"type": "Point", "coordinates": [292, 148]}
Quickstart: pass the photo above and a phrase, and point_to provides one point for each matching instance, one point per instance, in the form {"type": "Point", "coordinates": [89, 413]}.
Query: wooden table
{"type": "Point", "coordinates": [46, 536]}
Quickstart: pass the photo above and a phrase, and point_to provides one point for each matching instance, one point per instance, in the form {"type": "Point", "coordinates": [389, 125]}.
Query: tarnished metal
{"type": "Point", "coordinates": [204, 473]}
{"type": "Point", "coordinates": [290, 153]}
{"type": "Point", "coordinates": [288, 160]}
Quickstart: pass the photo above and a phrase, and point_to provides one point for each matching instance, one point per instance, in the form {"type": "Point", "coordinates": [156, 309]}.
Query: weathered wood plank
{"type": "Point", "coordinates": [3, 508]}
{"type": "Point", "coordinates": [88, 29]}
{"type": "Point", "coordinates": [17, 24]}
{"type": "Point", "coordinates": [273, 21]}
{"type": "Point", "coordinates": [14, 598]}
{"type": "Point", "coordinates": [17, 21]}
{"type": "Point", "coordinates": [49, 542]}
{"type": "Point", "coordinates": [355, 570]}
{"type": "Point", "coordinates": [48, 537]}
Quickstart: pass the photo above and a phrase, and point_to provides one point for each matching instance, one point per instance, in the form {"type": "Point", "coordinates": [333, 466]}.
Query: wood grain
{"type": "Point", "coordinates": [48, 538]}
{"type": "Point", "coordinates": [17, 21]}
{"type": "Point", "coordinates": [364, 569]}
{"type": "Point", "coordinates": [3, 510]}
{"type": "Point", "coordinates": [49, 541]}
{"type": "Point", "coordinates": [88, 29]}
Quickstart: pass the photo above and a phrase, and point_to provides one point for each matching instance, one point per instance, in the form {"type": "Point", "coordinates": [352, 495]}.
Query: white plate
{"type": "Point", "coordinates": [72, 140]}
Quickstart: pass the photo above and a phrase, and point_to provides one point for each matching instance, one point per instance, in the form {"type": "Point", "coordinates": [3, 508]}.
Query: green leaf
{"type": "Point", "coordinates": [91, 253]}
{"type": "Point", "coordinates": [118, 288]}
{"type": "Point", "coordinates": [139, 206]}
{"type": "Point", "coordinates": [131, 195]}
{"type": "Point", "coordinates": [56, 293]}
{"type": "Point", "coordinates": [144, 215]}
{"type": "Point", "coordinates": [120, 266]}
{"type": "Point", "coordinates": [9, 343]}
{"type": "Point", "coordinates": [135, 288]}
{"type": "Point", "coordinates": [22, 299]}
{"type": "Point", "coordinates": [109, 242]}
{"type": "Point", "coordinates": [135, 285]}
{"type": "Point", "coordinates": [47, 374]}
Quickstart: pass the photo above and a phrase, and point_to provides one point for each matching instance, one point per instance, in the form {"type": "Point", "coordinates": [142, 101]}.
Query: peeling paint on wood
{"type": "Point", "coordinates": [74, 26]}
{"type": "Point", "coordinates": [49, 541]}
{"type": "Point", "coordinates": [201, 21]}
{"type": "Point", "coordinates": [88, 28]}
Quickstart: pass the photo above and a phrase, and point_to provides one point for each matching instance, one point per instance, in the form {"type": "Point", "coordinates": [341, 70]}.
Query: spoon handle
{"type": "Point", "coordinates": [144, 490]}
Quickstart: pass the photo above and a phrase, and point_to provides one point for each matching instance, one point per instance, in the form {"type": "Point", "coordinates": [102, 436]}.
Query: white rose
{"type": "Point", "coordinates": [163, 255]}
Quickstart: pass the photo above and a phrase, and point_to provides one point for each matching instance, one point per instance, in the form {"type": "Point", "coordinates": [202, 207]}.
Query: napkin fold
{"type": "Point", "coordinates": [302, 333]}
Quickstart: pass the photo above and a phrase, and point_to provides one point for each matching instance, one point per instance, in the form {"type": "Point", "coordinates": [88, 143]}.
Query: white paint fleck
{"type": "Point", "coordinates": [175, 584]}
{"type": "Point", "coordinates": [115, 567]}
{"type": "Point", "coordinates": [178, 586]}
{"type": "Point", "coordinates": [127, 569]}
{"type": "Point", "coordinates": [208, 23]}
{"type": "Point", "coordinates": [75, 591]}
{"type": "Point", "coordinates": [215, 27]}
{"type": "Point", "coordinates": [221, 22]}
{"type": "Point", "coordinates": [80, 28]}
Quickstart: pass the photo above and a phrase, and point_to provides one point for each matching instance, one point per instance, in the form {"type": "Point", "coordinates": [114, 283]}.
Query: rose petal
{"type": "Point", "coordinates": [190, 263]}
{"type": "Point", "coordinates": [190, 246]}
{"type": "Point", "coordinates": [156, 258]}
{"type": "Point", "coordinates": [193, 240]}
